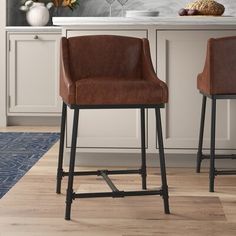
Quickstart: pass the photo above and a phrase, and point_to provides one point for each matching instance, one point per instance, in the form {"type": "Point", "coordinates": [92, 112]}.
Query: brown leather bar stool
{"type": "Point", "coordinates": [104, 72]}
{"type": "Point", "coordinates": [217, 81]}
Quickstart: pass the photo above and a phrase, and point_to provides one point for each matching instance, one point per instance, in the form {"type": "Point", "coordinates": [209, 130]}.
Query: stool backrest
{"type": "Point", "coordinates": [104, 56]}
{"type": "Point", "coordinates": [221, 59]}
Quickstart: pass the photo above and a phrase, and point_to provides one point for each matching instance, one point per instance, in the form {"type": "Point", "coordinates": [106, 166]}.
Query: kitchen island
{"type": "Point", "coordinates": [178, 49]}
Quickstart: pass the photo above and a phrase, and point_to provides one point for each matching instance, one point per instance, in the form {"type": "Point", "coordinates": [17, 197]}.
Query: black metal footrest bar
{"type": "Point", "coordinates": [98, 172]}
{"type": "Point", "coordinates": [225, 172]}
{"type": "Point", "coordinates": [232, 156]}
{"type": "Point", "coordinates": [118, 194]}
{"type": "Point", "coordinates": [109, 182]}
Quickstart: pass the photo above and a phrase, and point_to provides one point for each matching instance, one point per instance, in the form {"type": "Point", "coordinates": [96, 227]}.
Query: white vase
{"type": "Point", "coordinates": [38, 14]}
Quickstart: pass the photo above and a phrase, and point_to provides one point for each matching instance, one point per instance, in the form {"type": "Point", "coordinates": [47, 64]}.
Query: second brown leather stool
{"type": "Point", "coordinates": [217, 81]}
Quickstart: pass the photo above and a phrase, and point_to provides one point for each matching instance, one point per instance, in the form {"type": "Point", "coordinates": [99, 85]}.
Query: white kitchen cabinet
{"type": "Point", "coordinates": [33, 73]}
{"type": "Point", "coordinates": [109, 128]}
{"type": "Point", "coordinates": [180, 57]}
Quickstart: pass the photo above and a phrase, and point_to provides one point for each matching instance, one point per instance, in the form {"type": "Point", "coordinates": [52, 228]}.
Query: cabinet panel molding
{"type": "Point", "coordinates": [33, 73]}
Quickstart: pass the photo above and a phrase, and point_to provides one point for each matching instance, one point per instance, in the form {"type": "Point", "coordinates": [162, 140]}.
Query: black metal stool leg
{"type": "Point", "coordinates": [201, 133]}
{"type": "Point", "coordinates": [61, 149]}
{"type": "Point", "coordinates": [162, 161]}
{"type": "Point", "coordinates": [143, 150]}
{"type": "Point", "coordinates": [212, 155]}
{"type": "Point", "coordinates": [69, 197]}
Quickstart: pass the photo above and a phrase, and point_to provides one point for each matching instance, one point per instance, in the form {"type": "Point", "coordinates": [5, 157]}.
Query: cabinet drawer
{"type": "Point", "coordinates": [129, 33]}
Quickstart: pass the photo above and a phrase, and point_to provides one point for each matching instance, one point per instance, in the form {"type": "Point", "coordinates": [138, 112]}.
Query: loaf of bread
{"type": "Point", "coordinates": [207, 7]}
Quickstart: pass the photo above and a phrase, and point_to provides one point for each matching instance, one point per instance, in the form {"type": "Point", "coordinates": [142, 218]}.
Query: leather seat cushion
{"type": "Point", "coordinates": [107, 91]}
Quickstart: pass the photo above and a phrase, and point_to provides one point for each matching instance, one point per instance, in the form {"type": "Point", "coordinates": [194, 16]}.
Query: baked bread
{"type": "Point", "coordinates": [207, 7]}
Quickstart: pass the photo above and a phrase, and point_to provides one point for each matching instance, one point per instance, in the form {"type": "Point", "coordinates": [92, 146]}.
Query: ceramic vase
{"type": "Point", "coordinates": [38, 14]}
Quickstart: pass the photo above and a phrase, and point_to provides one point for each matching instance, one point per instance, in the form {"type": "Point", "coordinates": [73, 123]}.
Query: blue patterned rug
{"type": "Point", "coordinates": [19, 152]}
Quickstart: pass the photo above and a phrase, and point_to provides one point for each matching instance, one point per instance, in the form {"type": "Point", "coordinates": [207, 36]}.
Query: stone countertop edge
{"type": "Point", "coordinates": [50, 29]}
{"type": "Point", "coordinates": [178, 20]}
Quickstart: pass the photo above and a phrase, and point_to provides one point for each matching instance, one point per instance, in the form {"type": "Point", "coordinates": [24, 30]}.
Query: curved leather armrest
{"type": "Point", "coordinates": [148, 71]}
{"type": "Point", "coordinates": [67, 86]}
{"type": "Point", "coordinates": [204, 78]}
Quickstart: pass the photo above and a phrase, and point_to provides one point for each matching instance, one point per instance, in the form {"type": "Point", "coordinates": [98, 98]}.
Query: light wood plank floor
{"type": "Point", "coordinates": [31, 207]}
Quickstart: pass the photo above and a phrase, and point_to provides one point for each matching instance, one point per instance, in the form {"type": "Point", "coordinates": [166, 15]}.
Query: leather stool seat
{"type": "Point", "coordinates": [106, 91]}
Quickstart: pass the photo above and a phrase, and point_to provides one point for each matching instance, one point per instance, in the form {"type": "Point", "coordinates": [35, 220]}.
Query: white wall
{"type": "Point", "coordinates": [166, 7]}
{"type": "Point", "coordinates": [101, 8]}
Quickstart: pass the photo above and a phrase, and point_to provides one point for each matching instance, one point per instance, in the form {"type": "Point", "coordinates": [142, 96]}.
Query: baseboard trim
{"type": "Point", "coordinates": [134, 160]}
{"type": "Point", "coordinates": [33, 121]}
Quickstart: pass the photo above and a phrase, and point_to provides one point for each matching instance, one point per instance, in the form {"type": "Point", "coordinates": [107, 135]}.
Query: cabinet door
{"type": "Point", "coordinates": [180, 58]}
{"type": "Point", "coordinates": [33, 74]}
{"type": "Point", "coordinates": [109, 128]}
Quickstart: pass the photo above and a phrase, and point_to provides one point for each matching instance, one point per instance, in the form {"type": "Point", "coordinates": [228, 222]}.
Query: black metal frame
{"type": "Point", "coordinates": [213, 171]}
{"type": "Point", "coordinates": [71, 195]}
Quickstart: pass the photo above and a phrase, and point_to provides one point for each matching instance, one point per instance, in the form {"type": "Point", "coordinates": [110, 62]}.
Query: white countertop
{"type": "Point", "coordinates": [178, 20]}
{"type": "Point", "coordinates": [33, 29]}
{"type": "Point", "coordinates": [162, 22]}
